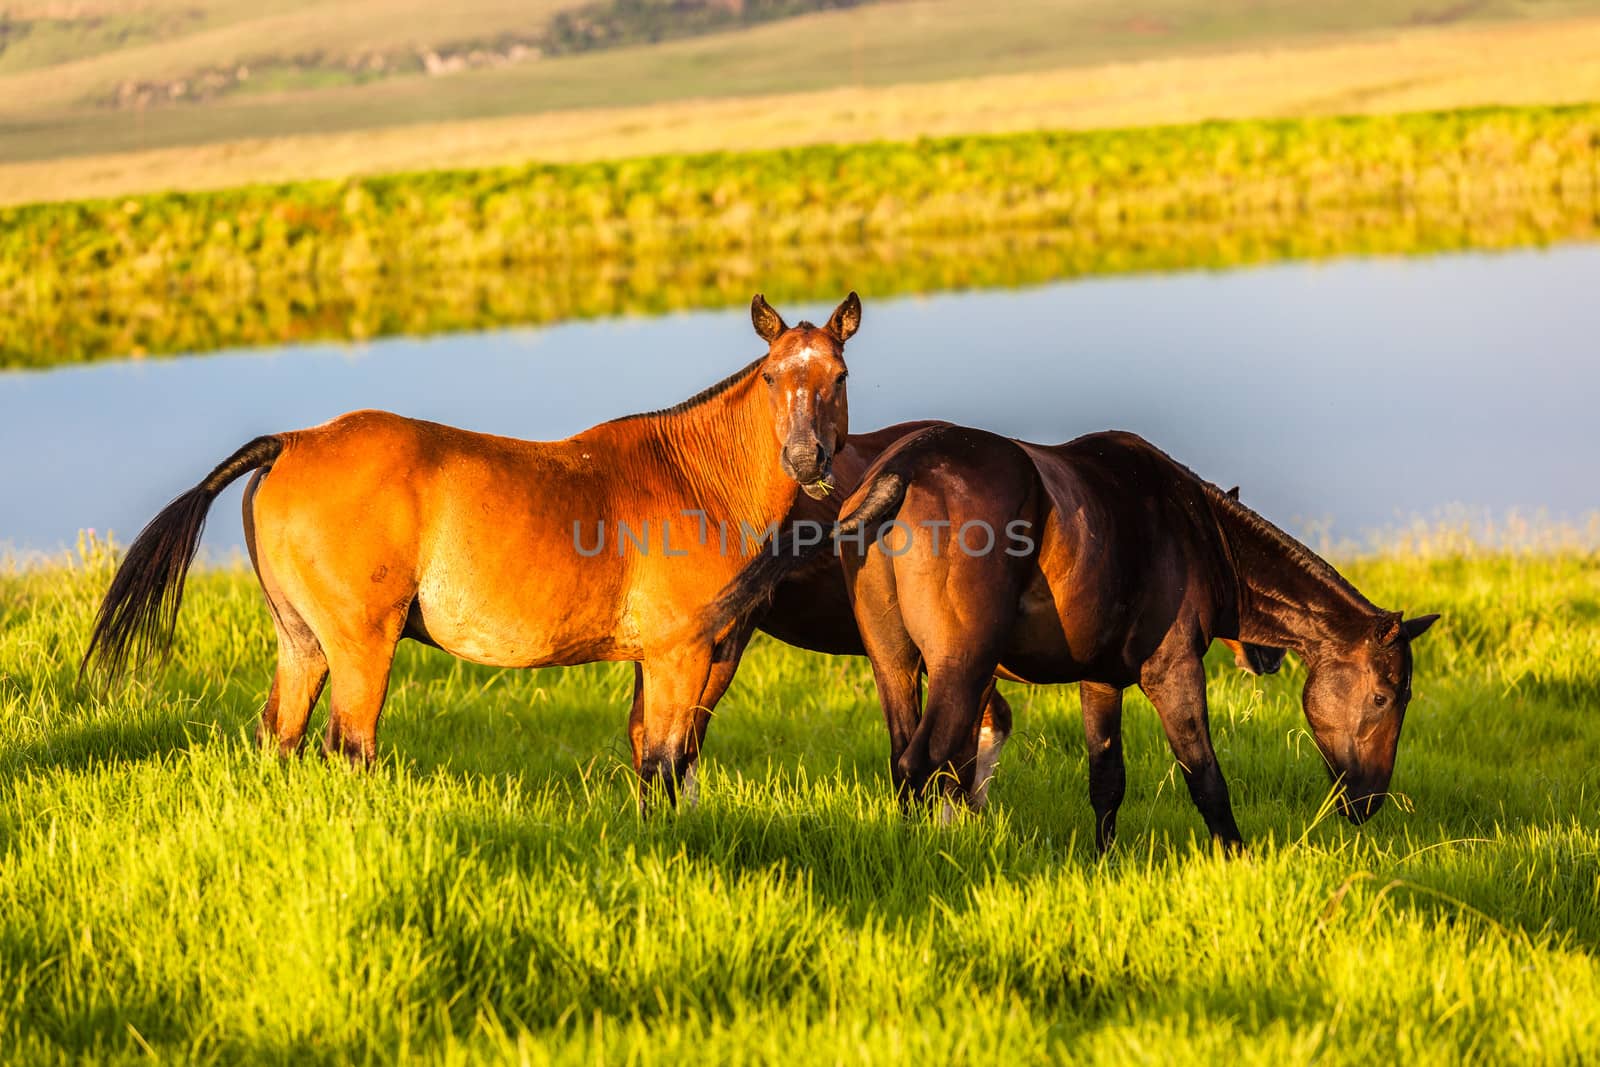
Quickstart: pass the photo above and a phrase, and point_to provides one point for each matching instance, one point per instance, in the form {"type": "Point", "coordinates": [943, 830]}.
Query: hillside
{"type": "Point", "coordinates": [92, 76]}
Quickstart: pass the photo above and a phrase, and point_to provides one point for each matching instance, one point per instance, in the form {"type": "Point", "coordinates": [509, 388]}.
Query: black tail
{"type": "Point", "coordinates": [140, 611]}
{"type": "Point", "coordinates": [753, 587]}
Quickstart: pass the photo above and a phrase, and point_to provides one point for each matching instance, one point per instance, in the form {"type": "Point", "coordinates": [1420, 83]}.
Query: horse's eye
{"type": "Point", "coordinates": [1380, 699]}
{"type": "Point", "coordinates": [840, 379]}
{"type": "Point", "coordinates": [766, 377]}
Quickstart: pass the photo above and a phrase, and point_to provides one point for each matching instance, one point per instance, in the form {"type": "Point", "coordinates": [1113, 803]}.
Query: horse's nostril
{"type": "Point", "coordinates": [807, 459]}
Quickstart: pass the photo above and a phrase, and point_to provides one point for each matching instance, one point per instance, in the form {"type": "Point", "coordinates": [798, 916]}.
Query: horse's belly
{"type": "Point", "coordinates": [1059, 634]}
{"type": "Point", "coordinates": [1036, 649]}
{"type": "Point", "coordinates": [529, 620]}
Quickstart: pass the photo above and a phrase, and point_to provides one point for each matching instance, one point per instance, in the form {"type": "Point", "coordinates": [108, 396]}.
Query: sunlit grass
{"type": "Point", "coordinates": [488, 891]}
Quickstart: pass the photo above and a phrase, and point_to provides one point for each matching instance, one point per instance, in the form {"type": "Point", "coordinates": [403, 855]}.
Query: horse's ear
{"type": "Point", "coordinates": [768, 323]}
{"type": "Point", "coordinates": [1415, 628]}
{"type": "Point", "coordinates": [1232, 494]}
{"type": "Point", "coordinates": [846, 318]}
{"type": "Point", "coordinates": [1387, 629]}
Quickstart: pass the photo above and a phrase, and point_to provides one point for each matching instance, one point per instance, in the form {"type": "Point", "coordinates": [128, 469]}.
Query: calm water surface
{"type": "Point", "coordinates": [1357, 394]}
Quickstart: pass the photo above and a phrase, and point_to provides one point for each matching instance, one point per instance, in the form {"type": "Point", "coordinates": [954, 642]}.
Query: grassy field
{"type": "Point", "coordinates": [59, 108]}
{"type": "Point", "coordinates": [488, 893]}
{"type": "Point", "coordinates": [428, 251]}
{"type": "Point", "coordinates": [282, 137]}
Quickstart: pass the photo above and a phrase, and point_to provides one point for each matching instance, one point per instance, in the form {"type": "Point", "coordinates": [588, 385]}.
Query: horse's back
{"type": "Point", "coordinates": [466, 536]}
{"type": "Point", "coordinates": [1130, 549]}
{"type": "Point", "coordinates": [375, 484]}
{"type": "Point", "coordinates": [1120, 487]}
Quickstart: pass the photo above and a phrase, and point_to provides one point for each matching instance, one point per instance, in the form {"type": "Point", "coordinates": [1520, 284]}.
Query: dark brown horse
{"type": "Point", "coordinates": [1101, 561]}
{"type": "Point", "coordinates": [810, 608]}
{"type": "Point", "coordinates": [372, 528]}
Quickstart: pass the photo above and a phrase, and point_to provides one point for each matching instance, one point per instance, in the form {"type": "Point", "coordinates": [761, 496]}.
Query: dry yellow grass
{"type": "Point", "coordinates": [229, 32]}
{"type": "Point", "coordinates": [1520, 63]}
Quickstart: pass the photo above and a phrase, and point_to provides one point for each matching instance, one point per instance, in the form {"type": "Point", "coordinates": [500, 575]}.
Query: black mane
{"type": "Point", "coordinates": [1296, 552]}
{"type": "Point", "coordinates": [708, 393]}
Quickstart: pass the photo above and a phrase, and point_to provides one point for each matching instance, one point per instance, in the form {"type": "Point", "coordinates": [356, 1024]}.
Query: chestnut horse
{"type": "Point", "coordinates": [1123, 569]}
{"type": "Point", "coordinates": [372, 528]}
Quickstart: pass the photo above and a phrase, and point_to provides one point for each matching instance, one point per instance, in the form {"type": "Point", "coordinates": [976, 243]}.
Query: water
{"type": "Point", "coordinates": [1354, 395]}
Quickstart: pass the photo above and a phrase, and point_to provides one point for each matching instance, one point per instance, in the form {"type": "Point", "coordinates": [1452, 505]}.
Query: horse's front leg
{"type": "Point", "coordinates": [1176, 685]}
{"type": "Point", "coordinates": [723, 669]}
{"type": "Point", "coordinates": [1108, 775]}
{"type": "Point", "coordinates": [670, 715]}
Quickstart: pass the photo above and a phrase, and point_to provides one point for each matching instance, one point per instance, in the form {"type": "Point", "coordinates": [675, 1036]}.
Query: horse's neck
{"type": "Point", "coordinates": [722, 457]}
{"type": "Point", "coordinates": [1289, 597]}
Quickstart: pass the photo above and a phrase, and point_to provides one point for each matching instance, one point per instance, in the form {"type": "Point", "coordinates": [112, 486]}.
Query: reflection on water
{"type": "Point", "coordinates": [190, 317]}
{"type": "Point", "coordinates": [1359, 392]}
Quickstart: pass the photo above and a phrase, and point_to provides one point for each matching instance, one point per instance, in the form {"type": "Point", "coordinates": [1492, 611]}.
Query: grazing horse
{"type": "Point", "coordinates": [372, 528]}
{"type": "Point", "coordinates": [810, 607]}
{"type": "Point", "coordinates": [1105, 562]}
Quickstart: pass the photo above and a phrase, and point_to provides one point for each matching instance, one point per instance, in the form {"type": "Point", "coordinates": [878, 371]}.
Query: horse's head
{"type": "Point", "coordinates": [805, 376]}
{"type": "Point", "coordinates": [1357, 689]}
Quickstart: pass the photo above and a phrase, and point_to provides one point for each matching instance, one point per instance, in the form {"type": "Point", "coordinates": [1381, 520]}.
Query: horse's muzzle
{"type": "Point", "coordinates": [1360, 806]}
{"type": "Point", "coordinates": [811, 467]}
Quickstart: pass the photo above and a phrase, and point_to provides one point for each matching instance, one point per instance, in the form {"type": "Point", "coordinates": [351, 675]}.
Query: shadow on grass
{"type": "Point", "coordinates": [109, 742]}
{"type": "Point", "coordinates": [1580, 695]}
{"type": "Point", "coordinates": [61, 1019]}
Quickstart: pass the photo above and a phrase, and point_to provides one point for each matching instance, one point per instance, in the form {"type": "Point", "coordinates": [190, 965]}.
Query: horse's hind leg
{"type": "Point", "coordinates": [899, 684]}
{"type": "Point", "coordinates": [982, 750]}
{"type": "Point", "coordinates": [333, 620]}
{"type": "Point", "coordinates": [896, 663]}
{"type": "Point", "coordinates": [360, 671]}
{"type": "Point", "coordinates": [302, 668]}
{"type": "Point", "coordinates": [958, 613]}
{"type": "Point", "coordinates": [946, 744]}
{"type": "Point", "coordinates": [296, 685]}
{"type": "Point", "coordinates": [910, 625]}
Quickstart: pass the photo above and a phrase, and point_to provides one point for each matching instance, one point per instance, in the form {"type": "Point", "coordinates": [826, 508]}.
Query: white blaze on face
{"type": "Point", "coordinates": [797, 359]}
{"type": "Point", "coordinates": [801, 412]}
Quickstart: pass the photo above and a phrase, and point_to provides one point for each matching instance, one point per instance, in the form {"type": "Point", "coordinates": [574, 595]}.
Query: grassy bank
{"type": "Point", "coordinates": [99, 278]}
{"type": "Point", "coordinates": [488, 892]}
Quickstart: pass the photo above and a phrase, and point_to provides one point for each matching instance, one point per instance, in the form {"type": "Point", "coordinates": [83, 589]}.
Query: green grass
{"type": "Point", "coordinates": [488, 893]}
{"type": "Point", "coordinates": [188, 272]}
